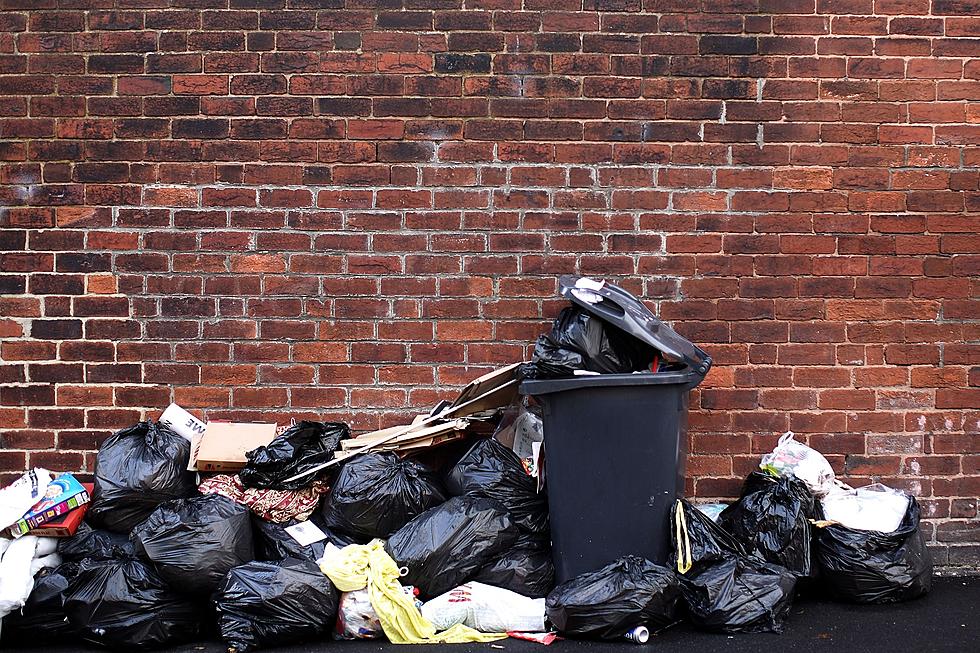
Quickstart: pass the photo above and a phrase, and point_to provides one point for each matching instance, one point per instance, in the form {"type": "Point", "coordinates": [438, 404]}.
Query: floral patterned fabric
{"type": "Point", "coordinates": [279, 506]}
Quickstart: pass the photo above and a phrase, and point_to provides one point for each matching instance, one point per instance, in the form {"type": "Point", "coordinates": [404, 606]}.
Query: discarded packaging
{"type": "Point", "coordinates": [865, 566]}
{"type": "Point", "coordinates": [275, 603]}
{"type": "Point", "coordinates": [377, 493]}
{"type": "Point", "coordinates": [444, 546]}
{"type": "Point", "coordinates": [18, 497]}
{"type": "Point", "coordinates": [194, 542]}
{"type": "Point", "coordinates": [416, 440]}
{"type": "Point", "coordinates": [481, 397]}
{"type": "Point", "coordinates": [611, 602]}
{"type": "Point", "coordinates": [184, 424]}
{"type": "Point", "coordinates": [62, 495]}
{"type": "Point", "coordinates": [67, 524]}
{"type": "Point", "coordinates": [222, 446]}
{"type": "Point", "coordinates": [137, 469]}
{"type": "Point", "coordinates": [485, 608]}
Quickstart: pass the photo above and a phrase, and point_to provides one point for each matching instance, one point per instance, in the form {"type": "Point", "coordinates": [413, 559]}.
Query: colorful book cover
{"type": "Point", "coordinates": [64, 494]}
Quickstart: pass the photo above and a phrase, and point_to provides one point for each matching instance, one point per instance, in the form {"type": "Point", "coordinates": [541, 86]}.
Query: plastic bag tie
{"type": "Point", "coordinates": [684, 561]}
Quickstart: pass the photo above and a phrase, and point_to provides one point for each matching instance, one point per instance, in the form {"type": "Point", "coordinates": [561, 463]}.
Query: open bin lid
{"type": "Point", "coordinates": [616, 306]}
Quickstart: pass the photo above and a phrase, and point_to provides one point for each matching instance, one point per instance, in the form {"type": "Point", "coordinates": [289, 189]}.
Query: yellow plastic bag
{"type": "Point", "coordinates": [368, 565]}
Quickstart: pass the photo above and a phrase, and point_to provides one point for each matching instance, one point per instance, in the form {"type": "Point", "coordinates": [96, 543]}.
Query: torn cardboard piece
{"type": "Point", "coordinates": [222, 446]}
{"type": "Point", "coordinates": [490, 392]}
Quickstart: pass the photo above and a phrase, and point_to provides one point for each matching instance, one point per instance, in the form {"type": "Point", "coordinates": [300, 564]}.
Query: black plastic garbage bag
{"type": "Point", "coordinates": [875, 567]}
{"type": "Point", "coordinates": [581, 341]}
{"type": "Point", "coordinates": [375, 494]}
{"type": "Point", "coordinates": [490, 469]}
{"type": "Point", "coordinates": [88, 542]}
{"type": "Point", "coordinates": [446, 545]}
{"type": "Point", "coordinates": [126, 605]}
{"type": "Point", "coordinates": [772, 521]}
{"type": "Point", "coordinates": [42, 620]}
{"type": "Point", "coordinates": [301, 447]}
{"type": "Point", "coordinates": [724, 588]}
{"type": "Point", "coordinates": [194, 542]}
{"type": "Point", "coordinates": [275, 603]}
{"type": "Point", "coordinates": [611, 601]}
{"type": "Point", "coordinates": [136, 469]}
{"type": "Point", "coordinates": [526, 568]}
{"type": "Point", "coordinates": [273, 543]}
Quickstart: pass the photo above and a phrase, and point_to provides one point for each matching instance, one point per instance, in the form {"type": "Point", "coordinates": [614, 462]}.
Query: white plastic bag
{"type": "Point", "coordinates": [356, 618]}
{"type": "Point", "coordinates": [16, 580]}
{"type": "Point", "coordinates": [806, 464]}
{"type": "Point", "coordinates": [874, 507]}
{"type": "Point", "coordinates": [21, 495]}
{"type": "Point", "coordinates": [487, 609]}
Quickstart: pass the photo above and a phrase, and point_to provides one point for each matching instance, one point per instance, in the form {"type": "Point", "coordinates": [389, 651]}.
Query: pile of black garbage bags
{"type": "Point", "coordinates": [157, 563]}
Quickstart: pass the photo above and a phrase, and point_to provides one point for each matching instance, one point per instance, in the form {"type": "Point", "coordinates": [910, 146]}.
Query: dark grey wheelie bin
{"type": "Point", "coordinates": [616, 444]}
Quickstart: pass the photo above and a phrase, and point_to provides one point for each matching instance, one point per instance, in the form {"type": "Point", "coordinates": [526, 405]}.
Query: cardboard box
{"type": "Point", "coordinates": [62, 495]}
{"type": "Point", "coordinates": [223, 445]}
{"type": "Point", "coordinates": [64, 525]}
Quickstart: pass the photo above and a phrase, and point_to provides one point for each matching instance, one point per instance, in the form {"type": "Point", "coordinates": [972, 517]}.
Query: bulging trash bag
{"type": "Point", "coordinates": [874, 567]}
{"type": "Point", "coordinates": [275, 603]}
{"type": "Point", "coordinates": [194, 542]}
{"type": "Point", "coordinates": [446, 545]}
{"type": "Point", "coordinates": [486, 609]}
{"type": "Point", "coordinates": [582, 341]}
{"type": "Point", "coordinates": [126, 605]}
{"type": "Point", "coordinates": [526, 568]}
{"type": "Point", "coordinates": [609, 602]}
{"type": "Point", "coordinates": [772, 521]}
{"type": "Point", "coordinates": [489, 469]}
{"type": "Point", "coordinates": [42, 620]}
{"type": "Point", "coordinates": [301, 447]}
{"type": "Point", "coordinates": [136, 470]}
{"type": "Point", "coordinates": [375, 494]}
{"type": "Point", "coordinates": [273, 543]}
{"type": "Point", "coordinates": [88, 542]}
{"type": "Point", "coordinates": [724, 588]}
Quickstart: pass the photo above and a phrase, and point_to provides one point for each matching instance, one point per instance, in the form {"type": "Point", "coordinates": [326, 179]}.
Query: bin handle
{"type": "Point", "coordinates": [684, 562]}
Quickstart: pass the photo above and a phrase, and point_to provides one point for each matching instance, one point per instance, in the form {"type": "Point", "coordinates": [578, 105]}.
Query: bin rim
{"type": "Point", "coordinates": [688, 378]}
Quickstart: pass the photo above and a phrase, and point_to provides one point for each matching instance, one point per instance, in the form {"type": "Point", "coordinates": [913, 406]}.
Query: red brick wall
{"type": "Point", "coordinates": [345, 208]}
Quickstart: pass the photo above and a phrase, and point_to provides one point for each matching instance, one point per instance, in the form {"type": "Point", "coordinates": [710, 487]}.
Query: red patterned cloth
{"type": "Point", "coordinates": [279, 506]}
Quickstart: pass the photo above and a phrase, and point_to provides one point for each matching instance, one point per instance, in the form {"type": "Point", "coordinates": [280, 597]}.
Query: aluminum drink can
{"type": "Point", "coordinates": [639, 635]}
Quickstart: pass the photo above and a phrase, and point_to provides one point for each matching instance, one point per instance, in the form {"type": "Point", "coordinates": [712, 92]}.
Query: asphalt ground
{"type": "Point", "coordinates": [948, 619]}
